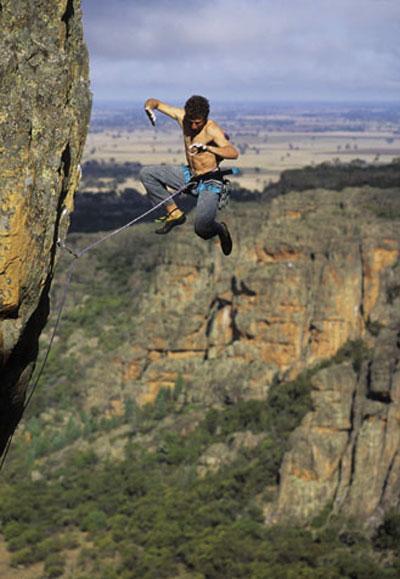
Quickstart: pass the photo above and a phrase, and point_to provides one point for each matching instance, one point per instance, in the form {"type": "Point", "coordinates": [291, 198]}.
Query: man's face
{"type": "Point", "coordinates": [195, 124]}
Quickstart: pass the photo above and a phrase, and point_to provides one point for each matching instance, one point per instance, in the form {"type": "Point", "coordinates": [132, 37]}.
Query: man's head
{"type": "Point", "coordinates": [197, 109]}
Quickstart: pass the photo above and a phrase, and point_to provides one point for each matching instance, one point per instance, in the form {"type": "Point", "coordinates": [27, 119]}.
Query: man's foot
{"type": "Point", "coordinates": [174, 218]}
{"type": "Point", "coordinates": [225, 239]}
{"type": "Point", "coordinates": [163, 218]}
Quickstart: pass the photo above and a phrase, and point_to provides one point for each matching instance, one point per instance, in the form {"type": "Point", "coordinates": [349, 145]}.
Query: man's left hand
{"type": "Point", "coordinates": [196, 148]}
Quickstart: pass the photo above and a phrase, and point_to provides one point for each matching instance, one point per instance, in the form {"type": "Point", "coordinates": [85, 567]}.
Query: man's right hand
{"type": "Point", "coordinates": [155, 104]}
{"type": "Point", "coordinates": [151, 103]}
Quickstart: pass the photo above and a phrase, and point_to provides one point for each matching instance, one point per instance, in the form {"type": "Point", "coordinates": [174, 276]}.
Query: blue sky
{"type": "Point", "coordinates": [254, 50]}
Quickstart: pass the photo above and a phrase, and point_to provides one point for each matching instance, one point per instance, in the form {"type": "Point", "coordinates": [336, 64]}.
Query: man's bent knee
{"type": "Point", "coordinates": [144, 173]}
{"type": "Point", "coordinates": [204, 231]}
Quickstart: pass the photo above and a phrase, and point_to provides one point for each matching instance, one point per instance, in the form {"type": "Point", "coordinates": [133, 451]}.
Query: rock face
{"type": "Point", "coordinates": [345, 455]}
{"type": "Point", "coordinates": [310, 272]}
{"type": "Point", "coordinates": [44, 114]}
{"type": "Point", "coordinates": [306, 277]}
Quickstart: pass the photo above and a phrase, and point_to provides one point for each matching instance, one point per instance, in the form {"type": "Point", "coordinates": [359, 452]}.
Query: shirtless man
{"type": "Point", "coordinates": [205, 146]}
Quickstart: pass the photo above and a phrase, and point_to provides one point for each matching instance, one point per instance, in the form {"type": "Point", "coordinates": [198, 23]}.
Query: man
{"type": "Point", "coordinates": [205, 146]}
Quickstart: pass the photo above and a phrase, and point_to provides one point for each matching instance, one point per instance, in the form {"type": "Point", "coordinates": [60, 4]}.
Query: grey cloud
{"type": "Point", "coordinates": [343, 46]}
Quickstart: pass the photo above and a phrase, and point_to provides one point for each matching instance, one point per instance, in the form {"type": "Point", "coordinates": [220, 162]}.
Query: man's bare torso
{"type": "Point", "coordinates": [198, 131]}
{"type": "Point", "coordinates": [201, 162]}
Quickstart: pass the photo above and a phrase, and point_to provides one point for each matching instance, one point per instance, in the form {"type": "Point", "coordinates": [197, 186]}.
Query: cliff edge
{"type": "Point", "coordinates": [44, 114]}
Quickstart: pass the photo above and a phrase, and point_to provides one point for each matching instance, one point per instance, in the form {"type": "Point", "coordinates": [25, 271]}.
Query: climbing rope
{"type": "Point", "coordinates": [67, 284]}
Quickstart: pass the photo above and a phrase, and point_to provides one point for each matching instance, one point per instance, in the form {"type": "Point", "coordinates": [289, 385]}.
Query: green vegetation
{"type": "Point", "coordinates": [54, 565]}
{"type": "Point", "coordinates": [154, 515]}
{"type": "Point", "coordinates": [336, 176]}
{"type": "Point", "coordinates": [94, 170]}
{"type": "Point", "coordinates": [354, 351]}
{"type": "Point", "coordinates": [388, 534]}
{"type": "Point", "coordinates": [82, 427]}
{"type": "Point", "coordinates": [374, 327]}
{"type": "Point", "coordinates": [159, 511]}
{"type": "Point", "coordinates": [98, 318]}
{"type": "Point", "coordinates": [393, 292]}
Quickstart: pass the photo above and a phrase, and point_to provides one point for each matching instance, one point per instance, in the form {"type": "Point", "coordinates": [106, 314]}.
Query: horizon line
{"type": "Point", "coordinates": [132, 102]}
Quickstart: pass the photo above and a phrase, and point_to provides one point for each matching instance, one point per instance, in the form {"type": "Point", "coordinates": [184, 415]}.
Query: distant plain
{"type": "Point", "coordinates": [270, 139]}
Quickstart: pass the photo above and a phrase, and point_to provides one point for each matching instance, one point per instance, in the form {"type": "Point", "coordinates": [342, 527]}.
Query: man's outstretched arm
{"type": "Point", "coordinates": [174, 112]}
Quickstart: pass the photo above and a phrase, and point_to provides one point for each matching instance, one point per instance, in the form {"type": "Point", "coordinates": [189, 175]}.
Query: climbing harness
{"type": "Point", "coordinates": [225, 194]}
{"type": "Point", "coordinates": [214, 181]}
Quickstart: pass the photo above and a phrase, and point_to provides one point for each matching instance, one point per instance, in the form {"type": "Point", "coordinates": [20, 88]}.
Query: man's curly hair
{"type": "Point", "coordinates": [197, 107]}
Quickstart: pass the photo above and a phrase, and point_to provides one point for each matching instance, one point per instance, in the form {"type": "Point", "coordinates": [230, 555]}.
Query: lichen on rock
{"type": "Point", "coordinates": [44, 114]}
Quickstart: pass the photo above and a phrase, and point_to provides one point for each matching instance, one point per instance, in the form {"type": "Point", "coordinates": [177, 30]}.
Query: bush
{"type": "Point", "coordinates": [25, 556]}
{"type": "Point", "coordinates": [54, 565]}
{"type": "Point", "coordinates": [94, 521]}
{"type": "Point", "coordinates": [388, 534]}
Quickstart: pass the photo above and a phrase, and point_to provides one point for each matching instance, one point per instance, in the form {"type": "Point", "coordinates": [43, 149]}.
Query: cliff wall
{"type": "Point", "coordinates": [311, 273]}
{"type": "Point", "coordinates": [44, 114]}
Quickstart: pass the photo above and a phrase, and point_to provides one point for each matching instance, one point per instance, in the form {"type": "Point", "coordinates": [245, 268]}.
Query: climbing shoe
{"type": "Point", "coordinates": [161, 219]}
{"type": "Point", "coordinates": [166, 216]}
{"type": "Point", "coordinates": [170, 221]}
{"type": "Point", "coordinates": [225, 239]}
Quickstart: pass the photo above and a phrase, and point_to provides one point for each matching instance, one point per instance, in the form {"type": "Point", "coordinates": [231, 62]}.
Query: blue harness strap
{"type": "Point", "coordinates": [187, 174]}
{"type": "Point", "coordinates": [213, 181]}
{"type": "Point", "coordinates": [210, 185]}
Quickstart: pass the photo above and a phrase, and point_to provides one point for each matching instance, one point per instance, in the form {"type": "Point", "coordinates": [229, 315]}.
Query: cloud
{"type": "Point", "coordinates": [341, 47]}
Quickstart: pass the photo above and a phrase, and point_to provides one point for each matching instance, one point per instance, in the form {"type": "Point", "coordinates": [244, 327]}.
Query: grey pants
{"type": "Point", "coordinates": [156, 179]}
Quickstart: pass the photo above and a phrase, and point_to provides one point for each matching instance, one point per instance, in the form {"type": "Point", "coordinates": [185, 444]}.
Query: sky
{"type": "Point", "coordinates": [244, 50]}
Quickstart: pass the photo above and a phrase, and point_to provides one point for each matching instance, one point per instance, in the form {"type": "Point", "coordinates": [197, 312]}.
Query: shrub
{"type": "Point", "coordinates": [94, 521]}
{"type": "Point", "coordinates": [388, 534]}
{"type": "Point", "coordinates": [54, 565]}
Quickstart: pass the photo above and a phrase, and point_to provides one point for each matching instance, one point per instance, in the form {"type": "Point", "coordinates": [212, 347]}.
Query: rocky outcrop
{"type": "Point", "coordinates": [309, 274]}
{"type": "Point", "coordinates": [220, 454]}
{"type": "Point", "coordinates": [345, 455]}
{"type": "Point", "coordinates": [45, 107]}
{"type": "Point", "coordinates": [304, 279]}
